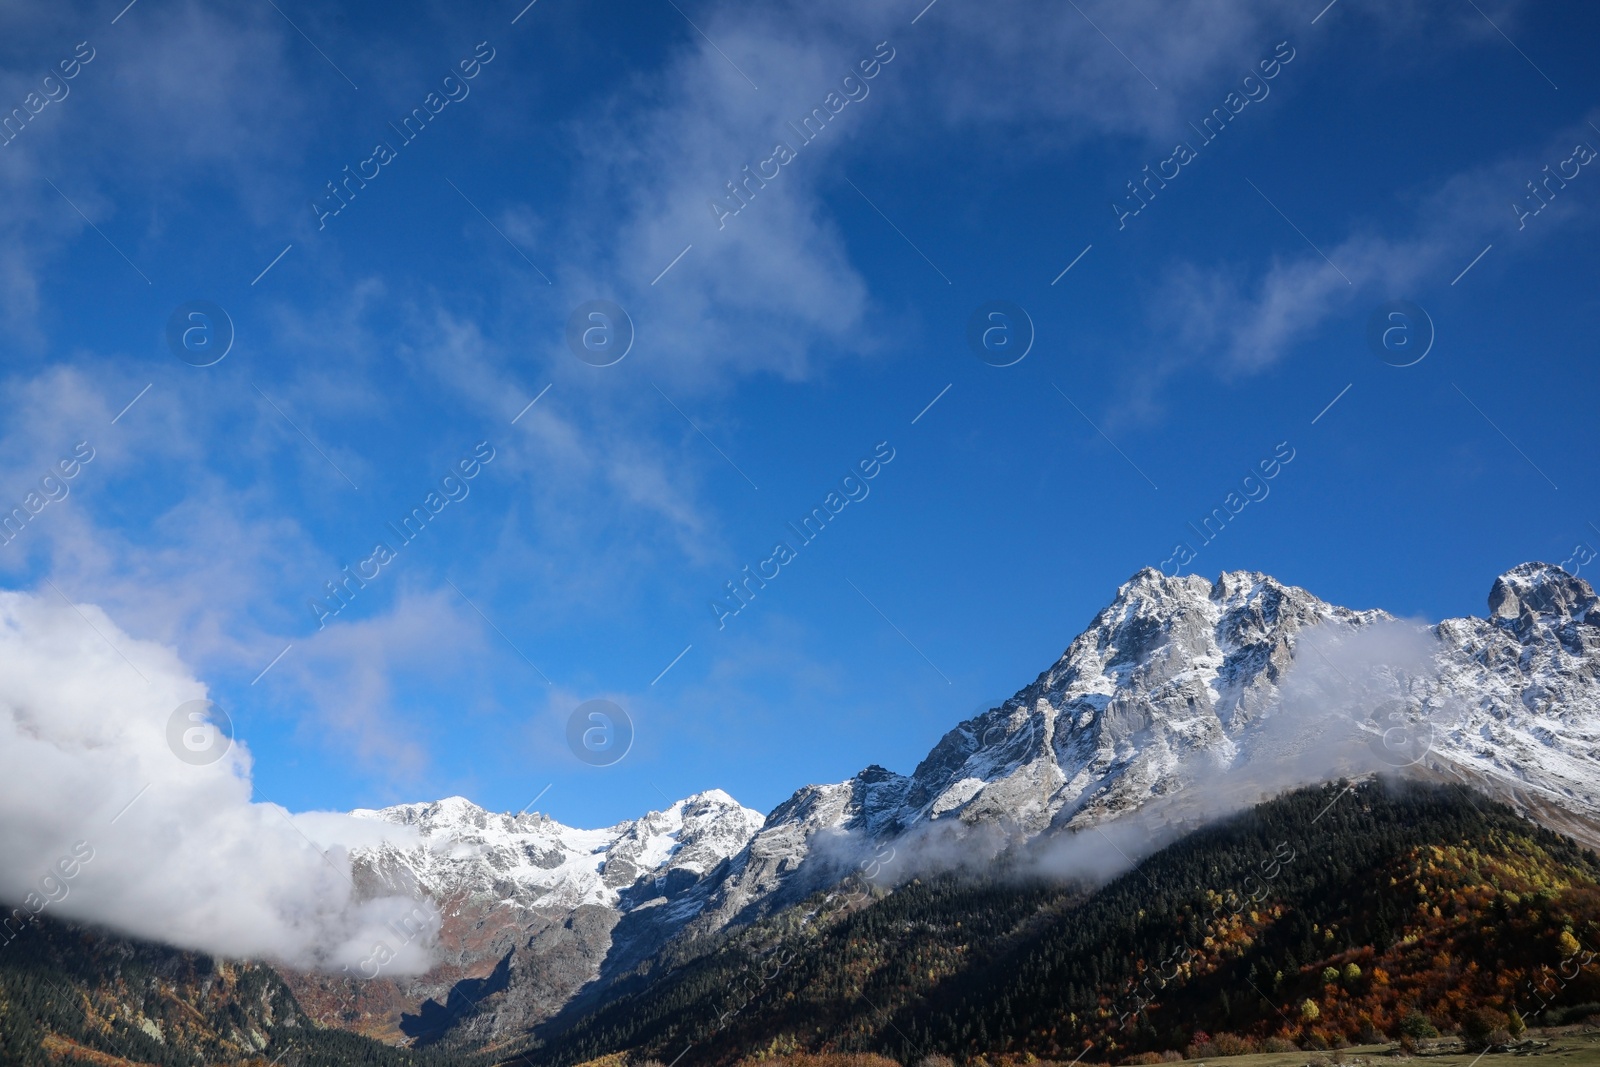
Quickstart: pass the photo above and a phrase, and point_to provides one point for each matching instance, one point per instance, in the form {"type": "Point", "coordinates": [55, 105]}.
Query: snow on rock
{"type": "Point", "coordinates": [533, 861]}
{"type": "Point", "coordinates": [1517, 703]}
{"type": "Point", "coordinates": [1182, 691]}
{"type": "Point", "coordinates": [1213, 694]}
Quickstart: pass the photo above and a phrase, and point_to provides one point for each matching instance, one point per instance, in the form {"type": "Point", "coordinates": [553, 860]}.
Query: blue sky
{"type": "Point", "coordinates": [775, 350]}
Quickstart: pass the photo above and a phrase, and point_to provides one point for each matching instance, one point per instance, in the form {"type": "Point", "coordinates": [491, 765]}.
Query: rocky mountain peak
{"type": "Point", "coordinates": [1150, 590]}
{"type": "Point", "coordinates": [706, 800]}
{"type": "Point", "coordinates": [1539, 592]}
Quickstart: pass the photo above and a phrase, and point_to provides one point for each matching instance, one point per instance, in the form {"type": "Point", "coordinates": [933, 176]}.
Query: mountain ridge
{"type": "Point", "coordinates": [1183, 698]}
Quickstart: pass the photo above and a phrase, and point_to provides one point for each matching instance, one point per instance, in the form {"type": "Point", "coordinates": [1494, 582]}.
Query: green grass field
{"type": "Point", "coordinates": [1574, 1046]}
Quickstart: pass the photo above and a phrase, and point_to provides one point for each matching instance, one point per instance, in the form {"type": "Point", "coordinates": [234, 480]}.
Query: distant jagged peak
{"type": "Point", "coordinates": [459, 813]}
{"type": "Point", "coordinates": [709, 796]}
{"type": "Point", "coordinates": [711, 813]}
{"type": "Point", "coordinates": [1149, 590]}
{"type": "Point", "coordinates": [429, 815]}
{"type": "Point", "coordinates": [709, 802]}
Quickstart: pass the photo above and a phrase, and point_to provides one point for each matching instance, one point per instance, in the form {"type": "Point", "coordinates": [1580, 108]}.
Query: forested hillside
{"type": "Point", "coordinates": [1323, 917]}
{"type": "Point", "coordinates": [74, 995]}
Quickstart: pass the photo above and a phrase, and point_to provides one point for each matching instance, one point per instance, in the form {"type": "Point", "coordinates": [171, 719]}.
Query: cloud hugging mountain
{"type": "Point", "coordinates": [1184, 700]}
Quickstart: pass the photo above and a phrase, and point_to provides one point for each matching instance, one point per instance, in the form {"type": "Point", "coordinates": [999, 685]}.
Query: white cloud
{"type": "Point", "coordinates": [191, 861]}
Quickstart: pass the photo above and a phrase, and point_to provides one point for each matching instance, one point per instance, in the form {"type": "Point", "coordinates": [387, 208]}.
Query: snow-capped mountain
{"type": "Point", "coordinates": [528, 910]}
{"type": "Point", "coordinates": [532, 861]}
{"type": "Point", "coordinates": [1183, 698]}
{"type": "Point", "coordinates": [1168, 683]}
{"type": "Point", "coordinates": [1181, 679]}
{"type": "Point", "coordinates": [1522, 696]}
{"type": "Point", "coordinates": [1244, 686]}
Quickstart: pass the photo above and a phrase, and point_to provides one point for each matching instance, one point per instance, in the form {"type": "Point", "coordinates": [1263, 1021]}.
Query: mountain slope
{"type": "Point", "coordinates": [1248, 686]}
{"type": "Point", "coordinates": [72, 994]}
{"type": "Point", "coordinates": [1445, 903]}
{"type": "Point", "coordinates": [1183, 700]}
{"type": "Point", "coordinates": [530, 910]}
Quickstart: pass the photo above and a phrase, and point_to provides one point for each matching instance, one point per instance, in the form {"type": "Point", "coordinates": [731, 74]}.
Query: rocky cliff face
{"type": "Point", "coordinates": [1167, 681]}
{"type": "Point", "coordinates": [1183, 681]}
{"type": "Point", "coordinates": [1165, 688]}
{"type": "Point", "coordinates": [1184, 697]}
{"type": "Point", "coordinates": [1517, 704]}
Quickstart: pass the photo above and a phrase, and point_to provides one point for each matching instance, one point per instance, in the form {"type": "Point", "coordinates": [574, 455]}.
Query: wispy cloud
{"type": "Point", "coordinates": [1254, 318]}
